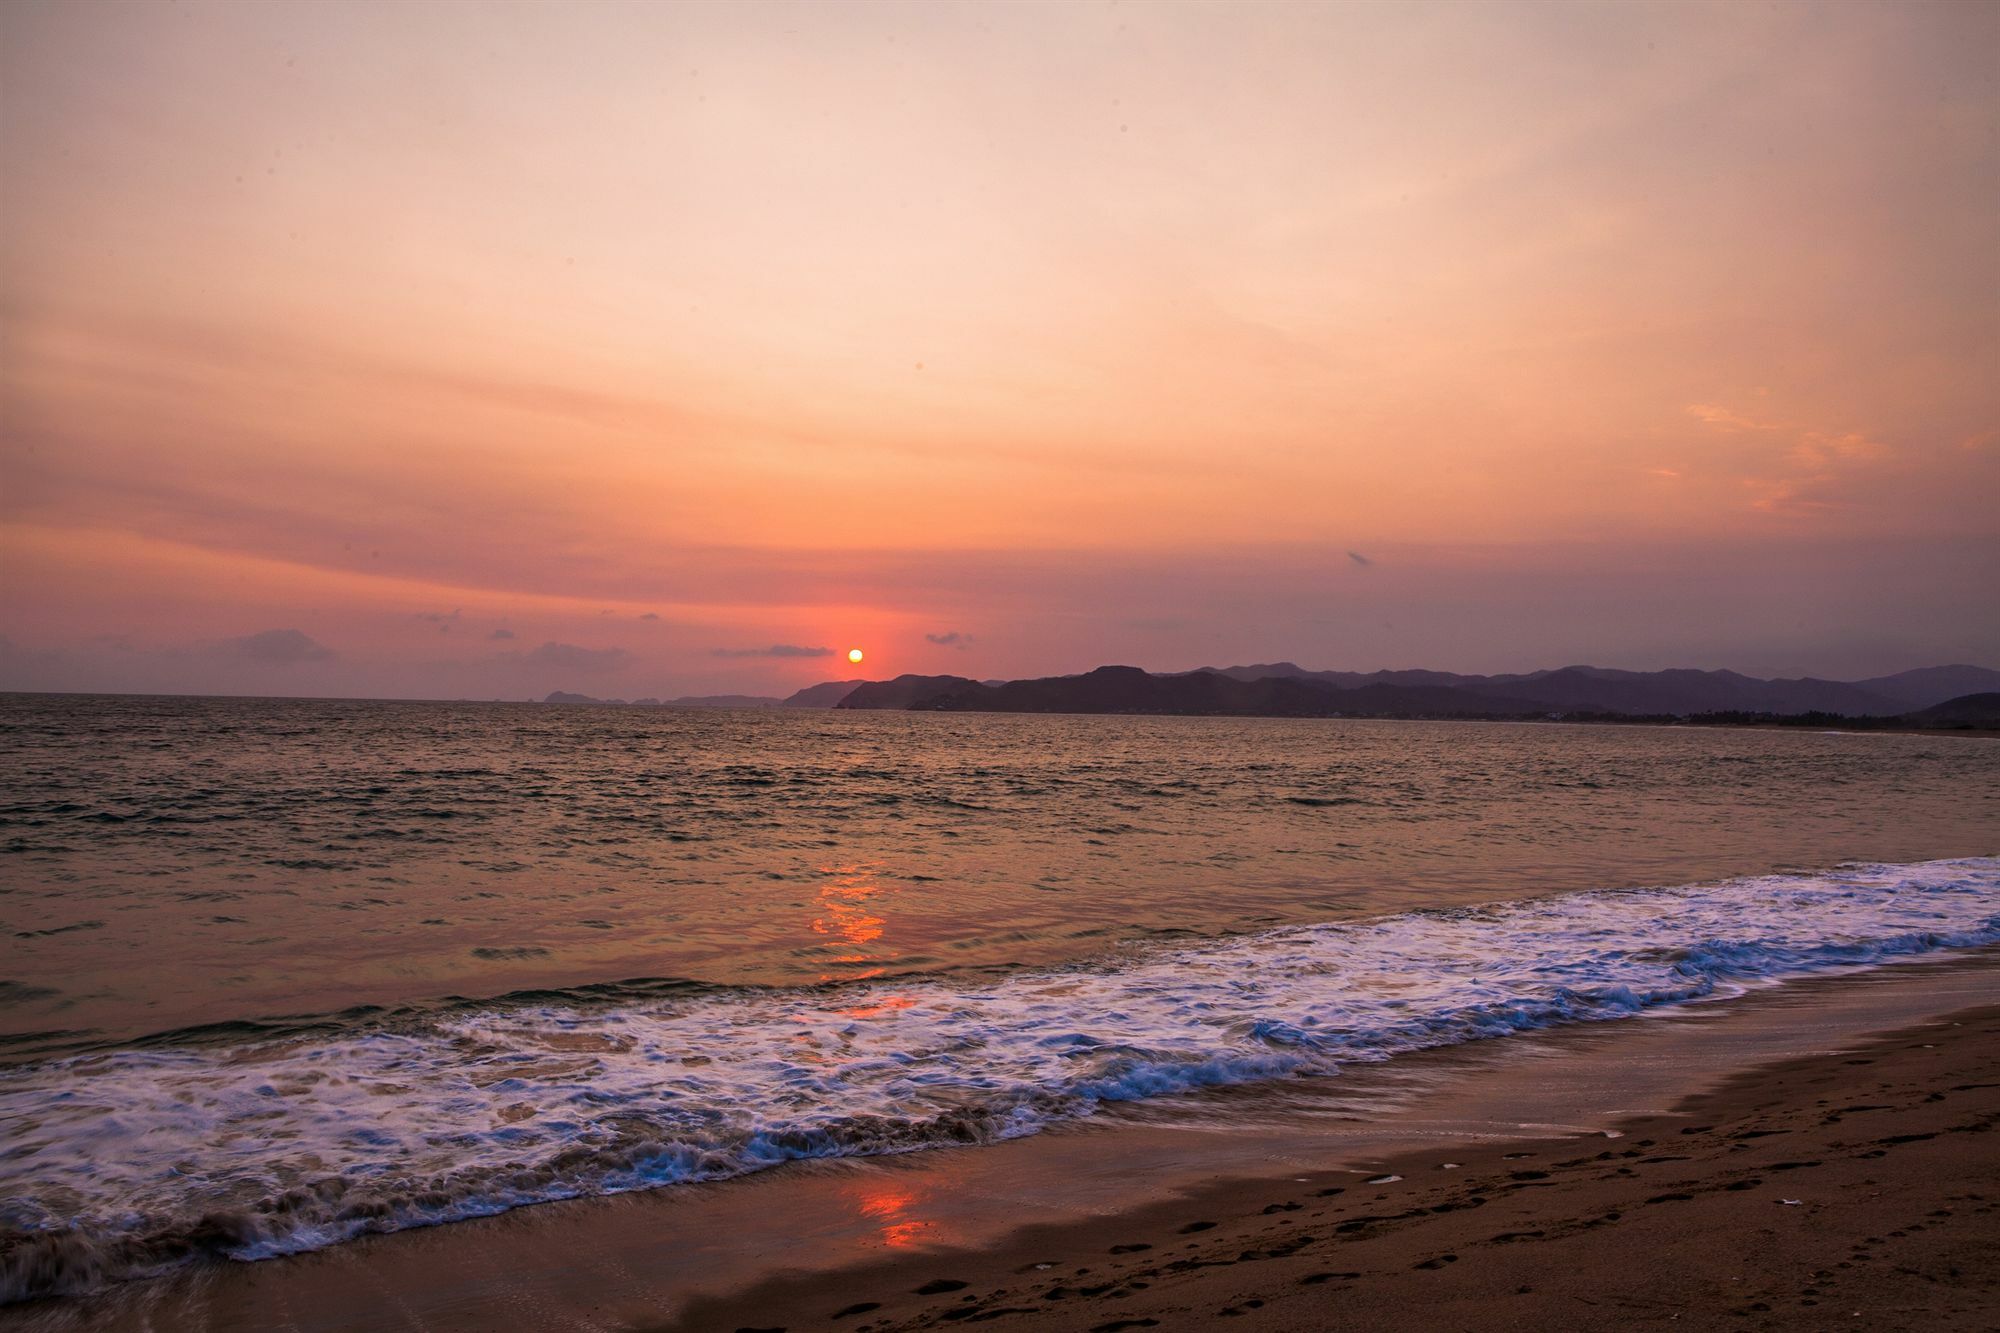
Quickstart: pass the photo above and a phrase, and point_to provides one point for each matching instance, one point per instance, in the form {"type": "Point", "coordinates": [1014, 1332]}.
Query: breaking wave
{"type": "Point", "coordinates": [246, 1142]}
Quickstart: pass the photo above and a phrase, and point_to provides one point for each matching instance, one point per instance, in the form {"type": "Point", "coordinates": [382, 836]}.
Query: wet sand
{"type": "Point", "coordinates": [1255, 1201]}
{"type": "Point", "coordinates": [1858, 1189]}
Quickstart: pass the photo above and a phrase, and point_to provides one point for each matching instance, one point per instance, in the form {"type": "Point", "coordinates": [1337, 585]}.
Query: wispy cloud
{"type": "Point", "coordinates": [278, 647]}
{"type": "Point", "coordinates": [950, 639]}
{"type": "Point", "coordinates": [1806, 469]}
{"type": "Point", "coordinates": [775, 650]}
{"type": "Point", "coordinates": [1360, 559]}
{"type": "Point", "coordinates": [1718, 417]}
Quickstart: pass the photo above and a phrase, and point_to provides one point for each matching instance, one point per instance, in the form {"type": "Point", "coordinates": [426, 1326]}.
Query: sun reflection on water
{"type": "Point", "coordinates": [884, 1004]}
{"type": "Point", "coordinates": [847, 903]}
{"type": "Point", "coordinates": [892, 1209]}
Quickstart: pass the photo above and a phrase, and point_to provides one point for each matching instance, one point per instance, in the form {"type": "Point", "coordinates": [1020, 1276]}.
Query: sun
{"type": "Point", "coordinates": [854, 654]}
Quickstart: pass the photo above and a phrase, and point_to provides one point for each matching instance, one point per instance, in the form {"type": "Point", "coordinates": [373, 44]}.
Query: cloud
{"type": "Point", "coordinates": [570, 657]}
{"type": "Point", "coordinates": [443, 621]}
{"type": "Point", "coordinates": [649, 615]}
{"type": "Point", "coordinates": [950, 639]}
{"type": "Point", "coordinates": [1804, 469]}
{"type": "Point", "coordinates": [775, 650]}
{"type": "Point", "coordinates": [501, 634]}
{"type": "Point", "coordinates": [278, 647]}
{"type": "Point", "coordinates": [1819, 449]}
{"type": "Point", "coordinates": [1359, 559]}
{"type": "Point", "coordinates": [1724, 419]}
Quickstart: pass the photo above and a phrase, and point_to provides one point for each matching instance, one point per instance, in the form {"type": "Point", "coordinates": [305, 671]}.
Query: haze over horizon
{"type": "Point", "coordinates": [638, 350]}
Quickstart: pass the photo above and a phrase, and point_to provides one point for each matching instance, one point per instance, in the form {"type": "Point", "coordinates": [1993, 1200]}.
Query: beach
{"type": "Point", "coordinates": [1620, 1172]}
{"type": "Point", "coordinates": [1858, 1187]}
{"type": "Point", "coordinates": [742, 666]}
{"type": "Point", "coordinates": [472, 1016]}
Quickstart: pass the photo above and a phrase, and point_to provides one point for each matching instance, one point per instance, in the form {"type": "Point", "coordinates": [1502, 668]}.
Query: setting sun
{"type": "Point", "coordinates": [1284, 444]}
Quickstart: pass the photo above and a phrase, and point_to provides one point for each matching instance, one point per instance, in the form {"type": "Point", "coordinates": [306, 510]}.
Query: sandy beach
{"type": "Point", "coordinates": [1596, 1175]}
{"type": "Point", "coordinates": [754, 666]}
{"type": "Point", "coordinates": [1859, 1188]}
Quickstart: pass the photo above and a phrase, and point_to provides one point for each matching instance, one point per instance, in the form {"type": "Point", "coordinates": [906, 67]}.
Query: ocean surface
{"type": "Point", "coordinates": [280, 973]}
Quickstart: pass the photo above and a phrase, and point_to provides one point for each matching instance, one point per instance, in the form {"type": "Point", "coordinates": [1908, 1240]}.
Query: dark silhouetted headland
{"type": "Point", "coordinates": [1951, 697]}
{"type": "Point", "coordinates": [822, 696]}
{"type": "Point", "coordinates": [1913, 698]}
{"type": "Point", "coordinates": [1968, 710]}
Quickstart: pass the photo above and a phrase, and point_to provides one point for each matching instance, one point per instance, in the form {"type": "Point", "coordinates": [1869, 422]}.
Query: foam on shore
{"type": "Point", "coordinates": [126, 1162]}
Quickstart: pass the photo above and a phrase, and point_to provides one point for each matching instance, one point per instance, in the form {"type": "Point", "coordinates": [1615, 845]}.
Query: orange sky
{"type": "Point", "coordinates": [442, 349]}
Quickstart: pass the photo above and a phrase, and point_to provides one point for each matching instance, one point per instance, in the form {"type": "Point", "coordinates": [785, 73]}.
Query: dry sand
{"type": "Point", "coordinates": [1858, 1189]}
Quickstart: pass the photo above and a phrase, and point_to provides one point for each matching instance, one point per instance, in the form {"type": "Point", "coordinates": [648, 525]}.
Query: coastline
{"type": "Point", "coordinates": [1855, 1187]}
{"type": "Point", "coordinates": [764, 1251]}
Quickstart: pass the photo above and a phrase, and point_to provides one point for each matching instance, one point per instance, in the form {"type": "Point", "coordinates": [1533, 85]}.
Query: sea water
{"type": "Point", "coordinates": [281, 973]}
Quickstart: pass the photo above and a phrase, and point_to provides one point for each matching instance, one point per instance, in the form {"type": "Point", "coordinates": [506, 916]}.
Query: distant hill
{"type": "Point", "coordinates": [1672, 693]}
{"type": "Point", "coordinates": [1684, 691]}
{"type": "Point", "coordinates": [1927, 687]}
{"type": "Point", "coordinates": [1125, 689]}
{"type": "Point", "coordinates": [904, 691]}
{"type": "Point", "coordinates": [1922, 697]}
{"type": "Point", "coordinates": [1968, 710]}
{"type": "Point", "coordinates": [1346, 680]}
{"type": "Point", "coordinates": [822, 696]}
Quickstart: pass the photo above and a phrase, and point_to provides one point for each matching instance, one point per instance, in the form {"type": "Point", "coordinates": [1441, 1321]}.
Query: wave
{"type": "Point", "coordinates": [252, 1140]}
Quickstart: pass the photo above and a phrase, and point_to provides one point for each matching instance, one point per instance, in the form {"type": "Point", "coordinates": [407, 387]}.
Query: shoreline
{"type": "Point", "coordinates": [1753, 1205]}
{"type": "Point", "coordinates": [648, 1259]}
{"type": "Point", "coordinates": [1894, 724]}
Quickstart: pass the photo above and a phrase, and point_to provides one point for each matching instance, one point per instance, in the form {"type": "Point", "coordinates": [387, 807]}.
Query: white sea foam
{"type": "Point", "coordinates": [121, 1163]}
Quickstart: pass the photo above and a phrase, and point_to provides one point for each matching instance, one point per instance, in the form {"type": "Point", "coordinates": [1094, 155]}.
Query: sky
{"type": "Point", "coordinates": [481, 350]}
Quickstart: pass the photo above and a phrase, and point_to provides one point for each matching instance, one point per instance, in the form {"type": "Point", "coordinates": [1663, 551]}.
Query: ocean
{"type": "Point", "coordinates": [279, 973]}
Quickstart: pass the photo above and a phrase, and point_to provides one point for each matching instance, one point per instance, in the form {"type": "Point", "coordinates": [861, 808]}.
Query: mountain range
{"type": "Point", "coordinates": [1284, 689]}
{"type": "Point", "coordinates": [1935, 696]}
